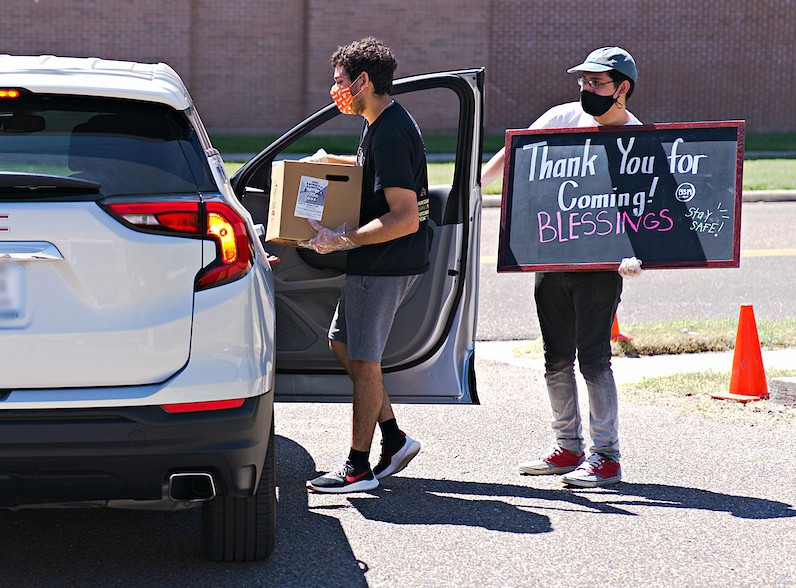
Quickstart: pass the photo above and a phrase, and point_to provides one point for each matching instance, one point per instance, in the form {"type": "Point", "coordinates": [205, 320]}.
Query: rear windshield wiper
{"type": "Point", "coordinates": [42, 184]}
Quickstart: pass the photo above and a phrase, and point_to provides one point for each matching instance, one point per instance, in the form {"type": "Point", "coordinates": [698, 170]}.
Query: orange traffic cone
{"type": "Point", "coordinates": [748, 380]}
{"type": "Point", "coordinates": [615, 334]}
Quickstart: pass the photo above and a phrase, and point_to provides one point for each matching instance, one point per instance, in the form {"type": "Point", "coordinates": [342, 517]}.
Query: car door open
{"type": "Point", "coordinates": [429, 355]}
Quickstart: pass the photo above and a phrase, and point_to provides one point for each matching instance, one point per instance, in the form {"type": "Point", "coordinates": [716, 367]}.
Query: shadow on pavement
{"type": "Point", "coordinates": [660, 495]}
{"type": "Point", "coordinates": [311, 548]}
{"type": "Point", "coordinates": [421, 501]}
{"type": "Point", "coordinates": [102, 547]}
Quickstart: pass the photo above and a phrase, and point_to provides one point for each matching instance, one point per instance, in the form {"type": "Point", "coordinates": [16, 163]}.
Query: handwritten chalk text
{"type": "Point", "coordinates": [569, 226]}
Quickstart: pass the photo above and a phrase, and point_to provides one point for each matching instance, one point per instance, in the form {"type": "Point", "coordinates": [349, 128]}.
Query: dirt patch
{"type": "Point", "coordinates": [689, 394]}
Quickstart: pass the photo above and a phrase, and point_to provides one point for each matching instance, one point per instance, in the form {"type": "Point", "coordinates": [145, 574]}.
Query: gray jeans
{"type": "Point", "coordinates": [576, 311]}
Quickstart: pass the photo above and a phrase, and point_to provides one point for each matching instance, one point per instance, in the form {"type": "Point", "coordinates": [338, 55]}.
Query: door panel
{"type": "Point", "coordinates": [429, 352]}
{"type": "Point", "coordinates": [306, 298]}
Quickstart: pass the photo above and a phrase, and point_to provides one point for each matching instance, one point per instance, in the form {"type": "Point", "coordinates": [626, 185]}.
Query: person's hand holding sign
{"type": "Point", "coordinates": [630, 267]}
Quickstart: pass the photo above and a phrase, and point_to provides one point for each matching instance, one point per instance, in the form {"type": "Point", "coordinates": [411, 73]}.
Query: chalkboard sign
{"type": "Point", "coordinates": [583, 199]}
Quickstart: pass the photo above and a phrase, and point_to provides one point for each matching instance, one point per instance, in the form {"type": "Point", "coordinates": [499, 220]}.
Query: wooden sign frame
{"type": "Point", "coordinates": [667, 193]}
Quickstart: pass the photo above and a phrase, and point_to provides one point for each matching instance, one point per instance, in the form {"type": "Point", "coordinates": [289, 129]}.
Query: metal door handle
{"type": "Point", "coordinates": [29, 251]}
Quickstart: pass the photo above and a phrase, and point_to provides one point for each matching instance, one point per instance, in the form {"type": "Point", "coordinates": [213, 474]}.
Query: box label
{"type": "Point", "coordinates": [311, 198]}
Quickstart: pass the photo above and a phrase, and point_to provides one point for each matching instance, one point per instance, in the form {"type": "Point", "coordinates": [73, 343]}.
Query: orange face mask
{"type": "Point", "coordinates": [343, 97]}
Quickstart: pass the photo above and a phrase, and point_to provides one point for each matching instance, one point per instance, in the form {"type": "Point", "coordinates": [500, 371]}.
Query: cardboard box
{"type": "Point", "coordinates": [328, 193]}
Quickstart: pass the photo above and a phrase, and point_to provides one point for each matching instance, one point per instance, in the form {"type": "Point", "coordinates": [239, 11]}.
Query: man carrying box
{"type": "Point", "coordinates": [389, 251]}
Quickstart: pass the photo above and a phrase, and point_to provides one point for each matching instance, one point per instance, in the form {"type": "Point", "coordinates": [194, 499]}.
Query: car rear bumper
{"type": "Point", "coordinates": [89, 455]}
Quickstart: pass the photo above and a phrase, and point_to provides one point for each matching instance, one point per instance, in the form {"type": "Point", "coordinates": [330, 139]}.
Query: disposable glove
{"type": "Point", "coordinates": [320, 156]}
{"type": "Point", "coordinates": [326, 240]}
{"type": "Point", "coordinates": [630, 267]}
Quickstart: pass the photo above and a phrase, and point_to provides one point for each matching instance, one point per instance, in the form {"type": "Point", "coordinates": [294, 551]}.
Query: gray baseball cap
{"type": "Point", "coordinates": [608, 58]}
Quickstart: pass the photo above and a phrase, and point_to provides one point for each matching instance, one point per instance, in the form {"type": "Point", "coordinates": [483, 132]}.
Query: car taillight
{"type": "Point", "coordinates": [203, 406]}
{"type": "Point", "coordinates": [234, 252]}
{"type": "Point", "coordinates": [214, 220]}
{"type": "Point", "coordinates": [171, 218]}
{"type": "Point", "coordinates": [224, 232]}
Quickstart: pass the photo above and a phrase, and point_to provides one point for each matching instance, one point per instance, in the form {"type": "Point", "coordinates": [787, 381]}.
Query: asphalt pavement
{"type": "Point", "coordinates": [704, 501]}
{"type": "Point", "coordinates": [707, 499]}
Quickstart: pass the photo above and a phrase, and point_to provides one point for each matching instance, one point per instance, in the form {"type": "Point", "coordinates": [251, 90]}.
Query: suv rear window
{"type": "Point", "coordinates": [126, 147]}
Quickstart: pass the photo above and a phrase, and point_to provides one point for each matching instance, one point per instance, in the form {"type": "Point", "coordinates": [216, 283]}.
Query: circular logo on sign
{"type": "Point", "coordinates": [685, 192]}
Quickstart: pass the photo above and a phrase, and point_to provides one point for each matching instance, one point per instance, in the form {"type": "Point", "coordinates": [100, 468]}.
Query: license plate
{"type": "Point", "coordinates": [12, 278]}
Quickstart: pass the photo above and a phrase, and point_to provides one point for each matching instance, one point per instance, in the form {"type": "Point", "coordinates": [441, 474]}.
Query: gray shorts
{"type": "Point", "coordinates": [365, 313]}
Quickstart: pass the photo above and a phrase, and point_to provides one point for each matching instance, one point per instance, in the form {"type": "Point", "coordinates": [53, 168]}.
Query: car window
{"type": "Point", "coordinates": [127, 147]}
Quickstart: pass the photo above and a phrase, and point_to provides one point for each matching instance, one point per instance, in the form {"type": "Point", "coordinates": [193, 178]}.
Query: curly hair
{"type": "Point", "coordinates": [370, 55]}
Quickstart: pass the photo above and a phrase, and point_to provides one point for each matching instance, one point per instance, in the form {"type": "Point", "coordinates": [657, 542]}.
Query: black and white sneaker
{"type": "Point", "coordinates": [392, 462]}
{"type": "Point", "coordinates": [345, 479]}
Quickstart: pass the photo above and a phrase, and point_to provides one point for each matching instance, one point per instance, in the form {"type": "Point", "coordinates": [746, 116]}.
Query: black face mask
{"type": "Point", "coordinates": [594, 104]}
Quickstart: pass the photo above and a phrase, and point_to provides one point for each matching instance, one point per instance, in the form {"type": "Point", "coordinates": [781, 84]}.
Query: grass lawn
{"type": "Point", "coordinates": [336, 143]}
{"type": "Point", "coordinates": [769, 174]}
{"type": "Point", "coordinates": [441, 143]}
{"type": "Point", "coordinates": [689, 395]}
{"type": "Point", "coordinates": [674, 337]}
{"type": "Point", "coordinates": [759, 174]}
{"type": "Point", "coordinates": [689, 392]}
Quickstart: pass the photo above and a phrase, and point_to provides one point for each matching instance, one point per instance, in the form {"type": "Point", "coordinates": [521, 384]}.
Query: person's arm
{"type": "Point", "coordinates": [401, 220]}
{"type": "Point", "coordinates": [493, 169]}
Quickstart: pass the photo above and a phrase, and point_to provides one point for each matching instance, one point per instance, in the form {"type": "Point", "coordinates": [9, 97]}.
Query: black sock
{"type": "Point", "coordinates": [393, 439]}
{"type": "Point", "coordinates": [359, 459]}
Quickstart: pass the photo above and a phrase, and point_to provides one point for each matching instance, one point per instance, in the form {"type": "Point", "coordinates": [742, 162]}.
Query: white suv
{"type": "Point", "coordinates": [139, 359]}
{"type": "Point", "coordinates": [136, 305]}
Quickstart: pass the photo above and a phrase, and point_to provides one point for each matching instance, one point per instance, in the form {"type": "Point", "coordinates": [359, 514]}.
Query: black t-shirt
{"type": "Point", "coordinates": [393, 156]}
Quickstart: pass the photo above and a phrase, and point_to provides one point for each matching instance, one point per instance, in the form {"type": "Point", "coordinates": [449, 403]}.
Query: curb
{"type": "Point", "coordinates": [783, 391]}
{"type": "Point", "coordinates": [769, 196]}
{"type": "Point", "coordinates": [628, 370]}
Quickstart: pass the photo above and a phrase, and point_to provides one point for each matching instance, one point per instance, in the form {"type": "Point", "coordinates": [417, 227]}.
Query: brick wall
{"type": "Point", "coordinates": [247, 63]}
{"type": "Point", "coordinates": [262, 65]}
{"type": "Point", "coordinates": [697, 59]}
{"type": "Point", "coordinates": [425, 37]}
{"type": "Point", "coordinates": [152, 31]}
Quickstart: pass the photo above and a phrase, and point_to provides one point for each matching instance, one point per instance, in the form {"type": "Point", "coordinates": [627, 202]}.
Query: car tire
{"type": "Point", "coordinates": [243, 529]}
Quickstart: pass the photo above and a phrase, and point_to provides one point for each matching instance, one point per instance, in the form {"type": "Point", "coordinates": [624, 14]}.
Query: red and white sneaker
{"type": "Point", "coordinates": [393, 462]}
{"type": "Point", "coordinates": [595, 471]}
{"type": "Point", "coordinates": [345, 479]}
{"type": "Point", "coordinates": [560, 461]}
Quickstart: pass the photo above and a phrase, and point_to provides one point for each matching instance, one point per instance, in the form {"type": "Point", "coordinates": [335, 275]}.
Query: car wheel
{"type": "Point", "coordinates": [243, 529]}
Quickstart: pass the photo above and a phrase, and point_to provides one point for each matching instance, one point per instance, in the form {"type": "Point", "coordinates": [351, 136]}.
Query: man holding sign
{"type": "Point", "coordinates": [576, 309]}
